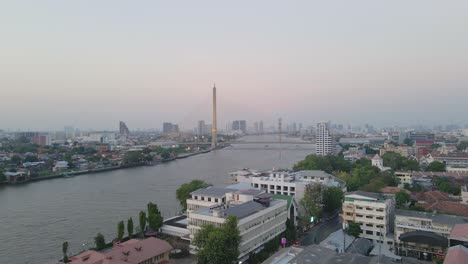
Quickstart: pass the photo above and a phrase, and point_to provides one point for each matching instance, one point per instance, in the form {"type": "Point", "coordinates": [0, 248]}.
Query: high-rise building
{"type": "Point", "coordinates": [169, 128]}
{"type": "Point", "coordinates": [214, 126]}
{"type": "Point", "coordinates": [323, 139]}
{"type": "Point", "coordinates": [260, 128]}
{"type": "Point", "coordinates": [123, 128]}
{"type": "Point", "coordinates": [256, 128]}
{"type": "Point", "coordinates": [41, 139]}
{"type": "Point", "coordinates": [240, 125]}
{"type": "Point", "coordinates": [201, 128]}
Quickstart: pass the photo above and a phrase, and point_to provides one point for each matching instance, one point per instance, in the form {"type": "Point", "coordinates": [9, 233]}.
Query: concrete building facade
{"type": "Point", "coordinates": [323, 139]}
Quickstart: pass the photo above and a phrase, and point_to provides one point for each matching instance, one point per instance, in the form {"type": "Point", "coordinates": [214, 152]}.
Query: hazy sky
{"type": "Point", "coordinates": [90, 64]}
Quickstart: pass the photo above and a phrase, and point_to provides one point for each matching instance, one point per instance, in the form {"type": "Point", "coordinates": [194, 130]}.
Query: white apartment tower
{"type": "Point", "coordinates": [323, 139]}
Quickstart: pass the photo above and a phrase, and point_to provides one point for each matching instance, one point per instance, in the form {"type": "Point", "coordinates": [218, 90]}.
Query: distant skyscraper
{"type": "Point", "coordinates": [201, 128]}
{"type": "Point", "coordinates": [240, 125]}
{"type": "Point", "coordinates": [261, 128]}
{"type": "Point", "coordinates": [169, 128]}
{"type": "Point", "coordinates": [123, 129]}
{"type": "Point", "coordinates": [256, 128]}
{"type": "Point", "coordinates": [323, 139]}
{"type": "Point", "coordinates": [214, 126]}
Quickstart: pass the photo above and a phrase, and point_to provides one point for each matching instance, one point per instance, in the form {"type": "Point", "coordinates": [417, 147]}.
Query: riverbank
{"type": "Point", "coordinates": [69, 174]}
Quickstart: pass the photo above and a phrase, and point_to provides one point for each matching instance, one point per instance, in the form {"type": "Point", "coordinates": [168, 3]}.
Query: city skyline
{"type": "Point", "coordinates": [383, 64]}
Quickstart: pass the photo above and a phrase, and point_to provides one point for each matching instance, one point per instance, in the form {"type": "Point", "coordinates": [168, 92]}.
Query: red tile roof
{"type": "Point", "coordinates": [456, 255]}
{"type": "Point", "coordinates": [446, 207]}
{"type": "Point", "coordinates": [459, 232]}
{"type": "Point", "coordinates": [391, 189]}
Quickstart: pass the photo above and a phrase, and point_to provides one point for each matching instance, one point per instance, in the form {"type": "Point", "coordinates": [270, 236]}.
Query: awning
{"type": "Point", "coordinates": [424, 237]}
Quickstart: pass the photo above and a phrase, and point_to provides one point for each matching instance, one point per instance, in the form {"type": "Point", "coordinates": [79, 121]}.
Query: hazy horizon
{"type": "Point", "coordinates": [89, 64]}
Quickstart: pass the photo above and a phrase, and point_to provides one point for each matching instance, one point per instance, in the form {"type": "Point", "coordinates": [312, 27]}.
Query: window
{"type": "Point", "coordinates": [292, 189]}
{"type": "Point", "coordinates": [379, 210]}
{"type": "Point", "coordinates": [358, 215]}
{"type": "Point", "coordinates": [368, 232]}
{"type": "Point", "coordinates": [209, 199]}
{"type": "Point", "coordinates": [216, 200]}
{"type": "Point", "coordinates": [379, 217]}
{"type": "Point", "coordinates": [369, 217]}
{"type": "Point", "coordinates": [278, 187]}
{"type": "Point", "coordinates": [348, 213]}
{"type": "Point", "coordinates": [369, 209]}
{"type": "Point", "coordinates": [359, 207]}
{"type": "Point", "coordinates": [203, 198]}
{"type": "Point", "coordinates": [285, 188]}
{"type": "Point", "coordinates": [256, 185]}
{"type": "Point", "coordinates": [369, 225]}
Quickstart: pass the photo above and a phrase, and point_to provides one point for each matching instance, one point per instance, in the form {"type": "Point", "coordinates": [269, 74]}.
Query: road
{"type": "Point", "coordinates": [321, 231]}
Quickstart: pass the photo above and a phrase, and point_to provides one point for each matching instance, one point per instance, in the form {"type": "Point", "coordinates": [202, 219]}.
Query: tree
{"type": "Point", "coordinates": [436, 166]}
{"type": "Point", "coordinates": [326, 163]}
{"type": "Point", "coordinates": [183, 193]}
{"type": "Point", "coordinates": [100, 241]}
{"type": "Point", "coordinates": [218, 244]}
{"type": "Point", "coordinates": [462, 145]}
{"type": "Point", "coordinates": [165, 154]}
{"type": "Point", "coordinates": [120, 230]}
{"type": "Point", "coordinates": [408, 141]}
{"type": "Point", "coordinates": [142, 220]}
{"type": "Point", "coordinates": [155, 219]}
{"type": "Point", "coordinates": [354, 229]}
{"type": "Point", "coordinates": [290, 234]}
{"type": "Point", "coordinates": [130, 227]}
{"type": "Point", "coordinates": [16, 160]}
{"type": "Point", "coordinates": [402, 198]}
{"type": "Point", "coordinates": [2, 177]}
{"type": "Point", "coordinates": [332, 199]}
{"type": "Point", "coordinates": [311, 203]}
{"type": "Point", "coordinates": [133, 157]}
{"type": "Point", "coordinates": [31, 158]}
{"type": "Point", "coordinates": [64, 251]}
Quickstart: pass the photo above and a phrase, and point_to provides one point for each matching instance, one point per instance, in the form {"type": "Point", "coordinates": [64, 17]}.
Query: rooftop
{"type": "Point", "coordinates": [460, 232]}
{"type": "Point", "coordinates": [436, 218]}
{"type": "Point", "coordinates": [456, 255]}
{"type": "Point", "coordinates": [213, 191]}
{"type": "Point", "coordinates": [371, 195]}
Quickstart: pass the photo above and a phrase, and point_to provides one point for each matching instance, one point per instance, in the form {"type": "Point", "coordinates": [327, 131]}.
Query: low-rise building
{"type": "Point", "coordinates": [260, 217]}
{"type": "Point", "coordinates": [459, 235]}
{"type": "Point", "coordinates": [373, 211]}
{"type": "Point", "coordinates": [423, 235]}
{"type": "Point", "coordinates": [403, 177]}
{"type": "Point", "coordinates": [377, 161]}
{"type": "Point", "coordinates": [207, 197]}
{"type": "Point", "coordinates": [291, 183]}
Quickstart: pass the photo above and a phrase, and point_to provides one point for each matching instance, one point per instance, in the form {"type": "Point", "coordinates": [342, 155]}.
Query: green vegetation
{"type": "Point", "coordinates": [133, 157]}
{"type": "Point", "coordinates": [155, 219]}
{"type": "Point", "coordinates": [142, 221]}
{"type": "Point", "coordinates": [130, 227]}
{"type": "Point", "coordinates": [218, 244]}
{"type": "Point", "coordinates": [408, 142]}
{"type": "Point", "coordinates": [402, 198]}
{"type": "Point", "coordinates": [100, 241]}
{"type": "Point", "coordinates": [328, 164]}
{"type": "Point", "coordinates": [445, 186]}
{"type": "Point", "coordinates": [16, 160]}
{"type": "Point", "coordinates": [120, 230]}
{"type": "Point", "coordinates": [332, 198]}
{"type": "Point", "coordinates": [183, 193]}
{"type": "Point", "coordinates": [270, 248]}
{"type": "Point", "coordinates": [462, 145]}
{"type": "Point", "coordinates": [436, 166]}
{"type": "Point", "coordinates": [398, 162]}
{"type": "Point", "coordinates": [2, 176]}
{"type": "Point", "coordinates": [354, 229]}
{"type": "Point", "coordinates": [65, 251]}
{"type": "Point", "coordinates": [312, 204]}
{"type": "Point", "coordinates": [291, 233]}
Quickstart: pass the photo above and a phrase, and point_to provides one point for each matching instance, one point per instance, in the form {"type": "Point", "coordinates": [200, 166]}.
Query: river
{"type": "Point", "coordinates": [35, 218]}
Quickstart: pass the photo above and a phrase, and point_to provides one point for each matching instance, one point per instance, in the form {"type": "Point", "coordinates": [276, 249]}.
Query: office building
{"type": "Point", "coordinates": [240, 125]}
{"type": "Point", "coordinates": [260, 217]}
{"type": "Point", "coordinates": [373, 211]}
{"type": "Point", "coordinates": [41, 140]}
{"type": "Point", "coordinates": [169, 128]}
{"type": "Point", "coordinates": [423, 235]}
{"type": "Point", "coordinates": [201, 128]}
{"type": "Point", "coordinates": [123, 129]}
{"type": "Point", "coordinates": [260, 128]}
{"type": "Point", "coordinates": [292, 183]}
{"type": "Point", "coordinates": [323, 139]}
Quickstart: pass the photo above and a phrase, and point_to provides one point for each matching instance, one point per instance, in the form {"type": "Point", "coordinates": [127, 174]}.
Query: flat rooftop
{"type": "Point", "coordinates": [436, 218]}
{"type": "Point", "coordinates": [213, 191]}
{"type": "Point", "coordinates": [240, 211]}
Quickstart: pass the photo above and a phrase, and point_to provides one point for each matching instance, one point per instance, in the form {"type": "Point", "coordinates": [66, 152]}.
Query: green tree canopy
{"type": "Point", "coordinates": [155, 219]}
{"type": "Point", "coordinates": [402, 198]}
{"type": "Point", "coordinates": [16, 160]}
{"type": "Point", "coordinates": [311, 203]}
{"type": "Point", "coordinates": [436, 166]}
{"type": "Point", "coordinates": [326, 163]}
{"type": "Point", "coordinates": [65, 252]}
{"type": "Point", "coordinates": [183, 193]}
{"type": "Point", "coordinates": [218, 244]}
{"type": "Point", "coordinates": [120, 230]}
{"type": "Point", "coordinates": [354, 229]}
{"type": "Point", "coordinates": [332, 198]}
{"type": "Point", "coordinates": [142, 221]}
{"type": "Point", "coordinates": [133, 157]}
{"type": "Point", "coordinates": [100, 241]}
{"type": "Point", "coordinates": [130, 227]}
{"type": "Point", "coordinates": [462, 145]}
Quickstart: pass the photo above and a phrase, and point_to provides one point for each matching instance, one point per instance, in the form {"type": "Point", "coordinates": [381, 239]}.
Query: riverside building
{"type": "Point", "coordinates": [260, 217]}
